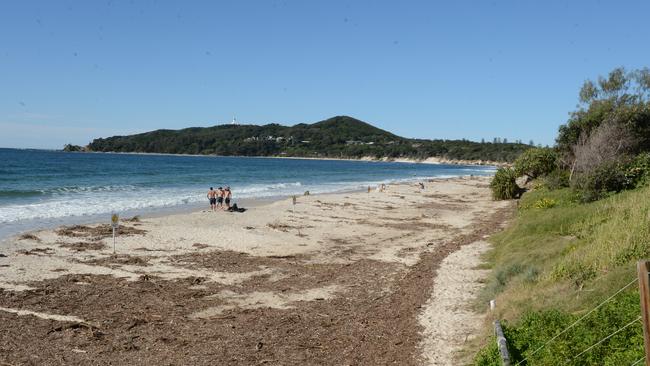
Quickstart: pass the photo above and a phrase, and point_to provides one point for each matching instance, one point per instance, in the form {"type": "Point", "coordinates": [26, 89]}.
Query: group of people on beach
{"type": "Point", "coordinates": [219, 197]}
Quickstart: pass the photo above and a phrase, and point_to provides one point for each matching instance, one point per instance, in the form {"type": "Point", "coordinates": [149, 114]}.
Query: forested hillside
{"type": "Point", "coordinates": [337, 137]}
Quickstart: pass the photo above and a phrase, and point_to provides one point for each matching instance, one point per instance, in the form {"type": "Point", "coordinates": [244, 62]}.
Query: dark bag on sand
{"type": "Point", "coordinates": [234, 208]}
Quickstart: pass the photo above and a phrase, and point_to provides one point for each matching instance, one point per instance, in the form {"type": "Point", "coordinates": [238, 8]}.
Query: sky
{"type": "Point", "coordinates": [72, 71]}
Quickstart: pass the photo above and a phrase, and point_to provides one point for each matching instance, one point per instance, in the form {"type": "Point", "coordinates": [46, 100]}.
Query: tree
{"type": "Point", "coordinates": [534, 163]}
{"type": "Point", "coordinates": [610, 143]}
{"type": "Point", "coordinates": [625, 95]}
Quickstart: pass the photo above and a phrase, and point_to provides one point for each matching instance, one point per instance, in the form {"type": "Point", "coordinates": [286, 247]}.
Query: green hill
{"type": "Point", "coordinates": [337, 137]}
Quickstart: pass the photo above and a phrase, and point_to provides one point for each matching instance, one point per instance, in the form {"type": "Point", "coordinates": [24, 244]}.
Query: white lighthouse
{"type": "Point", "coordinates": [234, 122]}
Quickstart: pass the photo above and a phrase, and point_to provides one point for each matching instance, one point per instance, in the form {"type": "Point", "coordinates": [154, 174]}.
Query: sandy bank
{"type": "Point", "coordinates": [429, 160]}
{"type": "Point", "coordinates": [336, 279]}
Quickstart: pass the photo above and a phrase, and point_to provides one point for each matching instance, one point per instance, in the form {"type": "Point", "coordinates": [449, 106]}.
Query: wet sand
{"type": "Point", "coordinates": [338, 279]}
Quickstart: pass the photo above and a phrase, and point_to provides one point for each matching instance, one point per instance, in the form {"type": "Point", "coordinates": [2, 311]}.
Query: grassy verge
{"type": "Point", "coordinates": [558, 260]}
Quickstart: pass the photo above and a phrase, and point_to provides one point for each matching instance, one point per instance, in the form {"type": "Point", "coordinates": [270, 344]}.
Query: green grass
{"type": "Point", "coordinates": [557, 260]}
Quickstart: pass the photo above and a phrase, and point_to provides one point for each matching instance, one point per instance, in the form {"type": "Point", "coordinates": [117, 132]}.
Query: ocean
{"type": "Point", "coordinates": [41, 189]}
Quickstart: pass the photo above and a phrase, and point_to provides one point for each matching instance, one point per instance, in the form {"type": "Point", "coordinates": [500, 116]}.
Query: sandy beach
{"type": "Point", "coordinates": [338, 279]}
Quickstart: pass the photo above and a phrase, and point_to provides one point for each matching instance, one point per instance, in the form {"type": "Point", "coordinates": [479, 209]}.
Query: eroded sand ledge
{"type": "Point", "coordinates": [340, 279]}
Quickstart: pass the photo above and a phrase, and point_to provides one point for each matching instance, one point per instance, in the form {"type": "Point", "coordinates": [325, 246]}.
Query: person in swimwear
{"type": "Point", "coordinates": [220, 194]}
{"type": "Point", "coordinates": [228, 196]}
{"type": "Point", "coordinates": [212, 196]}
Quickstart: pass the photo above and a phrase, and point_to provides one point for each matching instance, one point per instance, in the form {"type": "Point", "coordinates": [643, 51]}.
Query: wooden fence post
{"type": "Point", "coordinates": [643, 269]}
{"type": "Point", "coordinates": [502, 344]}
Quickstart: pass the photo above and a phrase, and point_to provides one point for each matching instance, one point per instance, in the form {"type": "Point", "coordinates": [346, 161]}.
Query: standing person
{"type": "Point", "coordinates": [228, 195]}
{"type": "Point", "coordinates": [212, 196]}
{"type": "Point", "coordinates": [219, 198]}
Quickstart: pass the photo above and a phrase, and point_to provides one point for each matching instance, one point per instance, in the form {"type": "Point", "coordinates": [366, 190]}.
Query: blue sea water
{"type": "Point", "coordinates": [41, 188]}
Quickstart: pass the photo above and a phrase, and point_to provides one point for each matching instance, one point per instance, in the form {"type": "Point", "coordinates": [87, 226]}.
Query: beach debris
{"type": "Point", "coordinates": [136, 323]}
{"type": "Point", "coordinates": [82, 246]}
{"type": "Point", "coordinates": [259, 346]}
{"type": "Point", "coordinates": [30, 237]}
{"type": "Point", "coordinates": [196, 280]}
{"type": "Point", "coordinates": [249, 227]}
{"type": "Point", "coordinates": [277, 225]}
{"type": "Point", "coordinates": [135, 218]}
{"type": "Point", "coordinates": [289, 256]}
{"type": "Point", "coordinates": [98, 232]}
{"type": "Point", "coordinates": [36, 251]}
{"type": "Point", "coordinates": [130, 345]}
{"type": "Point", "coordinates": [3, 255]}
{"type": "Point", "coordinates": [144, 249]}
{"type": "Point", "coordinates": [76, 325]}
{"type": "Point", "coordinates": [120, 260]}
{"type": "Point", "coordinates": [306, 193]}
{"type": "Point", "coordinates": [200, 245]}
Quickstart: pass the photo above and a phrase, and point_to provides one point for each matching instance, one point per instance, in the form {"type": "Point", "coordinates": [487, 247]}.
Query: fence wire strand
{"type": "Point", "coordinates": [578, 321]}
{"type": "Point", "coordinates": [637, 361]}
{"type": "Point", "coordinates": [604, 339]}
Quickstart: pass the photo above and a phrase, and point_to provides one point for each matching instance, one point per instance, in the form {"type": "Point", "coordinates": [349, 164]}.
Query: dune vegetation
{"type": "Point", "coordinates": [564, 271]}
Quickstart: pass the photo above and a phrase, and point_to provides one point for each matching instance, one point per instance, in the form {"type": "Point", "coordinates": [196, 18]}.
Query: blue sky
{"type": "Point", "coordinates": [71, 71]}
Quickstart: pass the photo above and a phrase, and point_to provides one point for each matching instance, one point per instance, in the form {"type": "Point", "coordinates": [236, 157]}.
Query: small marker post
{"type": "Point", "coordinates": [294, 204]}
{"type": "Point", "coordinates": [115, 219]}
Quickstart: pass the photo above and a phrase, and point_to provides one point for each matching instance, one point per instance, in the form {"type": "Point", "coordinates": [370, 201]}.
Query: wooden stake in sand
{"type": "Point", "coordinates": [115, 219]}
{"type": "Point", "coordinates": [294, 204]}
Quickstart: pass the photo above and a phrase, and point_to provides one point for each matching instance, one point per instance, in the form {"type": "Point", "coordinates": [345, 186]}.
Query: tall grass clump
{"type": "Point", "coordinates": [503, 185]}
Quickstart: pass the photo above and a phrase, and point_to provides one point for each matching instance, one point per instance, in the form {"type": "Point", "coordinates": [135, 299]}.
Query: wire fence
{"type": "Point", "coordinates": [603, 340]}
{"type": "Point", "coordinates": [574, 358]}
{"type": "Point", "coordinates": [638, 361]}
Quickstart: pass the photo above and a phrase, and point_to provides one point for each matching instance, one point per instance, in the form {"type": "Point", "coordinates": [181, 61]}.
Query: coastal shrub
{"type": "Point", "coordinates": [503, 184]}
{"type": "Point", "coordinates": [637, 172]}
{"type": "Point", "coordinates": [609, 177]}
{"type": "Point", "coordinates": [545, 203]}
{"type": "Point", "coordinates": [576, 271]}
{"type": "Point", "coordinates": [556, 179]}
{"type": "Point", "coordinates": [488, 355]}
{"type": "Point", "coordinates": [536, 162]}
{"type": "Point", "coordinates": [614, 177]}
{"type": "Point", "coordinates": [504, 276]}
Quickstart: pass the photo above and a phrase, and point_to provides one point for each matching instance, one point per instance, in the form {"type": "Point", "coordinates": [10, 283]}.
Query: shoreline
{"type": "Point", "coordinates": [28, 226]}
{"type": "Point", "coordinates": [430, 160]}
{"type": "Point", "coordinates": [338, 271]}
